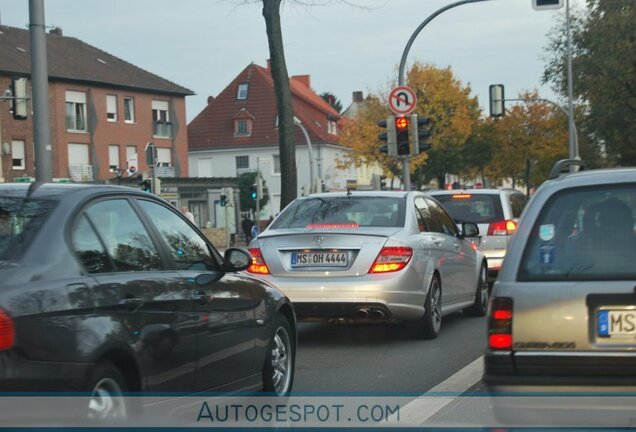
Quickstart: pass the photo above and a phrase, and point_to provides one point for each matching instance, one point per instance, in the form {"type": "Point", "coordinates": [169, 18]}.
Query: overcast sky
{"type": "Point", "coordinates": [204, 44]}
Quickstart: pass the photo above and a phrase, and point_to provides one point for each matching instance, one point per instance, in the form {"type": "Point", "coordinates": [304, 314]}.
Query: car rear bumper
{"type": "Point", "coordinates": [400, 297]}
{"type": "Point", "coordinates": [537, 372]}
{"type": "Point", "coordinates": [18, 374]}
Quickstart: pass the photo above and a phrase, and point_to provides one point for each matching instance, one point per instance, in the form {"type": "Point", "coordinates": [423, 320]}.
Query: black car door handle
{"type": "Point", "coordinates": [131, 303]}
{"type": "Point", "coordinates": [202, 298]}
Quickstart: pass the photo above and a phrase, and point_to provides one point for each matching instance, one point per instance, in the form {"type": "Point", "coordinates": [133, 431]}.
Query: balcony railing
{"type": "Point", "coordinates": [163, 130]}
{"type": "Point", "coordinates": [74, 123]}
{"type": "Point", "coordinates": [163, 171]}
{"type": "Point", "coordinates": [80, 173]}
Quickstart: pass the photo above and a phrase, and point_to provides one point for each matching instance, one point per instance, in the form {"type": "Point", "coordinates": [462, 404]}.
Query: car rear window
{"type": "Point", "coordinates": [475, 208]}
{"type": "Point", "coordinates": [20, 220]}
{"type": "Point", "coordinates": [584, 234]}
{"type": "Point", "coordinates": [342, 212]}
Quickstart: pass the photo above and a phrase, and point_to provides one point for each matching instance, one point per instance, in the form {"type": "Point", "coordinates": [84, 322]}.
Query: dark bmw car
{"type": "Point", "coordinates": [108, 290]}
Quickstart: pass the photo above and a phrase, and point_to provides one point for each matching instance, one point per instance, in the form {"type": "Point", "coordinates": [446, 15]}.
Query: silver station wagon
{"type": "Point", "coordinates": [380, 256]}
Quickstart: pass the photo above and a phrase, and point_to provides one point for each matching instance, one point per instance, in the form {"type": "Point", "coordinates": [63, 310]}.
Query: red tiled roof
{"type": "Point", "coordinates": [213, 128]}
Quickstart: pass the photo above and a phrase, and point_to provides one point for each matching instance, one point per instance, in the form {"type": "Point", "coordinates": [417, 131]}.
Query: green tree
{"type": "Point", "coordinates": [604, 65]}
{"type": "Point", "coordinates": [332, 100]}
{"type": "Point", "coordinates": [245, 183]}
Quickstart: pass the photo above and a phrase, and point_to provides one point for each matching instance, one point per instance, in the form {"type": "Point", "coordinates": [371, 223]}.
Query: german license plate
{"type": "Point", "coordinates": [617, 323]}
{"type": "Point", "coordinates": [319, 259]}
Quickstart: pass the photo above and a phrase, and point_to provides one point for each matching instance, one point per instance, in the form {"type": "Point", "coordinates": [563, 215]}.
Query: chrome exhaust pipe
{"type": "Point", "coordinates": [361, 313]}
{"type": "Point", "coordinates": [377, 314]}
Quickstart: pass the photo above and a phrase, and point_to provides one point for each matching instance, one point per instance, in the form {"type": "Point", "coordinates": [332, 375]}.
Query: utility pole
{"type": "Point", "coordinates": [40, 84]}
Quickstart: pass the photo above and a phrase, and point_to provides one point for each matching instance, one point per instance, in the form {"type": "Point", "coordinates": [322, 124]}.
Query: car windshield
{"type": "Point", "coordinates": [475, 208]}
{"type": "Point", "coordinates": [343, 212]}
{"type": "Point", "coordinates": [20, 219]}
{"type": "Point", "coordinates": [584, 234]}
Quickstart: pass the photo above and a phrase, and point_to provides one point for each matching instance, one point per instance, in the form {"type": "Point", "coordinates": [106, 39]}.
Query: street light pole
{"type": "Point", "coordinates": [40, 83]}
{"type": "Point", "coordinates": [405, 162]}
{"type": "Point", "coordinates": [574, 145]}
{"type": "Point", "coordinates": [310, 151]}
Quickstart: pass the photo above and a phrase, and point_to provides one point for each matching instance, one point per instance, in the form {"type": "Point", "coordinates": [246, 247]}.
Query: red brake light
{"type": "Point", "coordinates": [500, 341]}
{"type": "Point", "coordinates": [461, 196]}
{"type": "Point", "coordinates": [391, 259]}
{"type": "Point", "coordinates": [502, 228]}
{"type": "Point", "coordinates": [7, 331]}
{"type": "Point", "coordinates": [500, 324]}
{"type": "Point", "coordinates": [258, 265]}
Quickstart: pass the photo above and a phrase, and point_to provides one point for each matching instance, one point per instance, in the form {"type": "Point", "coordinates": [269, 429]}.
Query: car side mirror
{"type": "Point", "coordinates": [237, 259]}
{"type": "Point", "coordinates": [470, 229]}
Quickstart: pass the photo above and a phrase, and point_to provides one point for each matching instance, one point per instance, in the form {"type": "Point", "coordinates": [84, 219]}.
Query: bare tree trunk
{"type": "Point", "coordinates": [288, 179]}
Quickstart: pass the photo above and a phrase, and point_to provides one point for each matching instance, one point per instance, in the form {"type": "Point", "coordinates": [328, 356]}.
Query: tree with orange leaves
{"type": "Point", "coordinates": [532, 134]}
{"type": "Point", "coordinates": [442, 98]}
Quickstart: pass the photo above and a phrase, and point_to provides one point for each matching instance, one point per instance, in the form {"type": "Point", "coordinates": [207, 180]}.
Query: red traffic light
{"type": "Point", "coordinates": [401, 123]}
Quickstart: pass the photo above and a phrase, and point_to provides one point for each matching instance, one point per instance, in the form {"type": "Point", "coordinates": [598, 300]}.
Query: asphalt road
{"type": "Point", "coordinates": [384, 358]}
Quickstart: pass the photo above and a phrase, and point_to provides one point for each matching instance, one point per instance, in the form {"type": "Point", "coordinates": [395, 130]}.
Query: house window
{"type": "Point", "coordinates": [162, 127]}
{"type": "Point", "coordinates": [242, 162]}
{"type": "Point", "coordinates": [242, 91]}
{"type": "Point", "coordinates": [276, 164]}
{"type": "Point", "coordinates": [164, 157]}
{"type": "Point", "coordinates": [111, 108]}
{"type": "Point", "coordinates": [17, 155]}
{"type": "Point", "coordinates": [75, 111]}
{"type": "Point", "coordinates": [113, 157]}
{"type": "Point", "coordinates": [242, 127]}
{"type": "Point", "coordinates": [129, 110]}
{"type": "Point", "coordinates": [332, 127]}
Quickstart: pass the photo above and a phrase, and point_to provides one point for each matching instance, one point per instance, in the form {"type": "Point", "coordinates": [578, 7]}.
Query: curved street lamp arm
{"type": "Point", "coordinates": [419, 29]}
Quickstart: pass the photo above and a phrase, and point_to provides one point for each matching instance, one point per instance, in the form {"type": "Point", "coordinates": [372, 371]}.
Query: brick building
{"type": "Point", "coordinates": [103, 110]}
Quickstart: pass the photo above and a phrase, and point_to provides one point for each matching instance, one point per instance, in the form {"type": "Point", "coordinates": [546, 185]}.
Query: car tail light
{"type": "Point", "coordinates": [258, 265]}
{"type": "Point", "coordinates": [502, 228]}
{"type": "Point", "coordinates": [7, 331]}
{"type": "Point", "coordinates": [500, 324]}
{"type": "Point", "coordinates": [391, 259]}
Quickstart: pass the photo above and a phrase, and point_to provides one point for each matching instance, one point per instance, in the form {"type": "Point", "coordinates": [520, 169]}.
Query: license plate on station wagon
{"type": "Point", "coordinates": [616, 323]}
{"type": "Point", "coordinates": [319, 259]}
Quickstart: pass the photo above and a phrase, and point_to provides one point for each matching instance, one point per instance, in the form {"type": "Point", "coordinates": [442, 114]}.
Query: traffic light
{"type": "Point", "coordinates": [390, 148]}
{"type": "Point", "coordinates": [419, 133]}
{"type": "Point", "coordinates": [223, 200]}
{"type": "Point", "coordinates": [253, 191]}
{"type": "Point", "coordinates": [402, 135]}
{"type": "Point", "coordinates": [146, 185]}
{"type": "Point", "coordinates": [547, 4]}
{"type": "Point", "coordinates": [497, 100]}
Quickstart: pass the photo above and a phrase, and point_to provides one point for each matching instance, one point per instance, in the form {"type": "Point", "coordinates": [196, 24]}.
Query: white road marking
{"type": "Point", "coordinates": [428, 404]}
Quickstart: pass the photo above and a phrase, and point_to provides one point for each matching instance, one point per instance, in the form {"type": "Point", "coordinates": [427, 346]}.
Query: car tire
{"type": "Point", "coordinates": [278, 370]}
{"type": "Point", "coordinates": [106, 388]}
{"type": "Point", "coordinates": [431, 323]}
{"type": "Point", "coordinates": [482, 294]}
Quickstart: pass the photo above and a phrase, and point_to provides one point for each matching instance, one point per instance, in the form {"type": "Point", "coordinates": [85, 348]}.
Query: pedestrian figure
{"type": "Point", "coordinates": [247, 226]}
{"type": "Point", "coordinates": [186, 212]}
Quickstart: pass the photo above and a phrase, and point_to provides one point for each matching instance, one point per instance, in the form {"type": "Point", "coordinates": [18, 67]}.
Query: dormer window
{"type": "Point", "coordinates": [242, 127]}
{"type": "Point", "coordinates": [242, 91]}
{"type": "Point", "coordinates": [332, 127]}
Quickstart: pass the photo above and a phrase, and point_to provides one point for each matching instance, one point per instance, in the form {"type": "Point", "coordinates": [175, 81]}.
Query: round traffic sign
{"type": "Point", "coordinates": [402, 100]}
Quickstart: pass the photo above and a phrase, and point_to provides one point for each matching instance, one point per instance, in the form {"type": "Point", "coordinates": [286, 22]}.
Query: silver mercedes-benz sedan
{"type": "Point", "coordinates": [382, 256]}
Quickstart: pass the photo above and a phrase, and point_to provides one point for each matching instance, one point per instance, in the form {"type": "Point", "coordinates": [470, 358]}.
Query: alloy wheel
{"type": "Point", "coordinates": [106, 401]}
{"type": "Point", "coordinates": [436, 305]}
{"type": "Point", "coordinates": [281, 361]}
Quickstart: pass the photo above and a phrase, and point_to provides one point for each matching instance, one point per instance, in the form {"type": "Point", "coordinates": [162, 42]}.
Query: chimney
{"type": "Point", "coordinates": [210, 99]}
{"type": "Point", "coordinates": [303, 79]}
{"type": "Point", "coordinates": [357, 96]}
{"type": "Point", "coordinates": [57, 31]}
